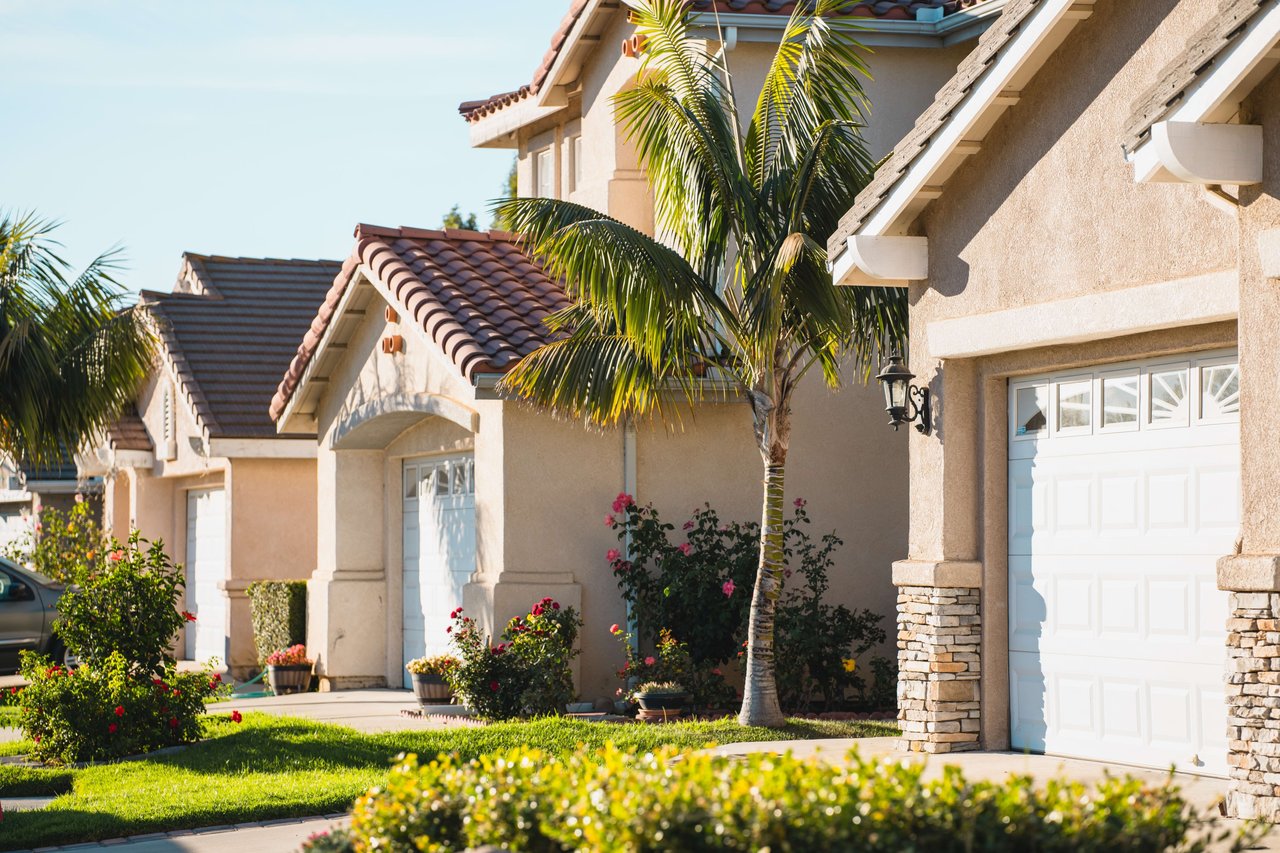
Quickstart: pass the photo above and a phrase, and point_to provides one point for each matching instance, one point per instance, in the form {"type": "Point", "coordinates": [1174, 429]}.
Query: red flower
{"type": "Point", "coordinates": [113, 728]}
{"type": "Point", "coordinates": [649, 661]}
{"type": "Point", "coordinates": [623, 501]}
{"type": "Point", "coordinates": [537, 610]}
{"type": "Point", "coordinates": [119, 710]}
{"type": "Point", "coordinates": [217, 677]}
{"type": "Point", "coordinates": [613, 629]}
{"type": "Point", "coordinates": [727, 588]}
{"type": "Point", "coordinates": [493, 685]}
{"type": "Point", "coordinates": [612, 554]}
{"type": "Point", "coordinates": [117, 556]}
{"type": "Point", "coordinates": [555, 605]}
{"type": "Point", "coordinates": [177, 692]}
{"type": "Point", "coordinates": [608, 521]}
{"type": "Point", "coordinates": [716, 671]}
{"type": "Point", "coordinates": [686, 548]}
{"type": "Point", "coordinates": [800, 502]}
{"type": "Point", "coordinates": [13, 690]}
{"type": "Point", "coordinates": [173, 722]}
{"type": "Point", "coordinates": [36, 738]}
{"type": "Point", "coordinates": [188, 615]}
{"type": "Point", "coordinates": [235, 717]}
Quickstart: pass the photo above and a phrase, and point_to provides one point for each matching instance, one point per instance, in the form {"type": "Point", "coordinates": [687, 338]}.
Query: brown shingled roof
{"type": "Point", "coordinates": [476, 294]}
{"type": "Point", "coordinates": [893, 10]}
{"type": "Point", "coordinates": [129, 433]}
{"type": "Point", "coordinates": [231, 330]}
{"type": "Point", "coordinates": [1199, 57]}
{"type": "Point", "coordinates": [949, 97]}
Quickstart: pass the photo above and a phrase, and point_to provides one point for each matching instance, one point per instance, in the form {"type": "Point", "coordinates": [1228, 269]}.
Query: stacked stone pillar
{"type": "Point", "coordinates": [939, 637]}
{"type": "Point", "coordinates": [1253, 705]}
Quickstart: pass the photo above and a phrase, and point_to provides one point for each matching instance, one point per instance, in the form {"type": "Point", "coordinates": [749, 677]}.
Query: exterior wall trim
{"type": "Point", "coordinates": [263, 448]}
{"type": "Point", "coordinates": [423, 404]}
{"type": "Point", "coordinates": [1207, 298]}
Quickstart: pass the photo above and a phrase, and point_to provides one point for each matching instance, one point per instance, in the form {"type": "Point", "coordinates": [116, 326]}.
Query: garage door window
{"type": "Point", "coordinates": [1167, 396]}
{"type": "Point", "coordinates": [1219, 391]}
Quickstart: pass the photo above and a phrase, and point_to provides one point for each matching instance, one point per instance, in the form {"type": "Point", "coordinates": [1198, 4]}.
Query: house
{"type": "Point", "coordinates": [198, 464]}
{"type": "Point", "coordinates": [435, 492]}
{"type": "Point", "coordinates": [1088, 222]}
{"type": "Point", "coordinates": [26, 490]}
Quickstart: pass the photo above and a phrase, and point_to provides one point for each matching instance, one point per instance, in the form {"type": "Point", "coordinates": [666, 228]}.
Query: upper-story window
{"type": "Point", "coordinates": [544, 165]}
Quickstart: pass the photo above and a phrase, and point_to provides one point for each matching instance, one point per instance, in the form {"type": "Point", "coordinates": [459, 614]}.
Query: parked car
{"type": "Point", "coordinates": [27, 610]}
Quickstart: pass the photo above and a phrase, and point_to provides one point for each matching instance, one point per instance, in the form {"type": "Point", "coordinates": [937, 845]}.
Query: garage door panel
{"type": "Point", "coordinates": [206, 568]}
{"type": "Point", "coordinates": [1116, 625]}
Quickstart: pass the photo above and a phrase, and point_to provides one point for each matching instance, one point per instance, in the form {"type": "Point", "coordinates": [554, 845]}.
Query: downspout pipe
{"type": "Point", "coordinates": [629, 482]}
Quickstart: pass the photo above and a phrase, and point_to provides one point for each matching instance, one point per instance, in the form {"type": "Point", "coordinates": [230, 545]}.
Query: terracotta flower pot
{"type": "Point", "coordinates": [431, 689]}
{"type": "Point", "coordinates": [290, 678]}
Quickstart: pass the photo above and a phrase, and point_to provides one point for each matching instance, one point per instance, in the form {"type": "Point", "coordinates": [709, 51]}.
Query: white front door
{"type": "Point", "coordinates": [439, 548]}
{"type": "Point", "coordinates": [206, 566]}
{"type": "Point", "coordinates": [1124, 489]}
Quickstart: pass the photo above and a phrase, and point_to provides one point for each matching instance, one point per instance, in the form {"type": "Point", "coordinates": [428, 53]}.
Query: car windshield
{"type": "Point", "coordinates": [43, 580]}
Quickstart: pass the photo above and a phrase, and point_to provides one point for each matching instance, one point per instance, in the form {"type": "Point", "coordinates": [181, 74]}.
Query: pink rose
{"type": "Point", "coordinates": [727, 588]}
{"type": "Point", "coordinates": [613, 629]}
{"type": "Point", "coordinates": [800, 503]}
{"type": "Point", "coordinates": [649, 661]}
{"type": "Point", "coordinates": [608, 521]}
{"type": "Point", "coordinates": [623, 501]}
{"type": "Point", "coordinates": [612, 555]}
{"type": "Point", "coordinates": [686, 548]}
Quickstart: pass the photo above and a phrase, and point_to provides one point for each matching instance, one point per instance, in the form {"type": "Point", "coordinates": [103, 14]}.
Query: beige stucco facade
{"type": "Point", "coordinates": [1045, 254]}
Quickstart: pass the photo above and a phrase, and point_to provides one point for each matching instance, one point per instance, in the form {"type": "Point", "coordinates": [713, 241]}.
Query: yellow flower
{"type": "Point", "coordinates": [850, 664]}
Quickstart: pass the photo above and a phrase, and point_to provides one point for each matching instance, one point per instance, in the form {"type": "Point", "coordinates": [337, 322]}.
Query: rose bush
{"type": "Point", "coordinates": [698, 591]}
{"type": "Point", "coordinates": [127, 696]}
{"type": "Point", "coordinates": [527, 673]}
{"type": "Point", "coordinates": [671, 661]}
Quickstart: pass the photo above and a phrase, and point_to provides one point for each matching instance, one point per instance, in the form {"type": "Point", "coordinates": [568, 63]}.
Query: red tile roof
{"type": "Point", "coordinates": [475, 294]}
{"type": "Point", "coordinates": [892, 10]}
{"type": "Point", "coordinates": [230, 328]}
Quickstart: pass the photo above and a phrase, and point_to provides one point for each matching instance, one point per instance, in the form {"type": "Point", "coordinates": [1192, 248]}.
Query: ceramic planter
{"type": "Point", "coordinates": [290, 678]}
{"type": "Point", "coordinates": [663, 701]}
{"type": "Point", "coordinates": [431, 689]}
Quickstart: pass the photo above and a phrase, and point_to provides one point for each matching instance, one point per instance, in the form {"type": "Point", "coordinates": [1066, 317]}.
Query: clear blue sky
{"type": "Point", "coordinates": [251, 127]}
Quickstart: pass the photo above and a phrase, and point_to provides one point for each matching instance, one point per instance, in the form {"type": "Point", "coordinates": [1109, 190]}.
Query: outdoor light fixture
{"type": "Point", "coordinates": [900, 396]}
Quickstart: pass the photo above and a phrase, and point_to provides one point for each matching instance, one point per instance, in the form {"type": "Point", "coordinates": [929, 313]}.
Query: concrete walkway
{"type": "Point", "coordinates": [277, 836]}
{"type": "Point", "coordinates": [369, 711]}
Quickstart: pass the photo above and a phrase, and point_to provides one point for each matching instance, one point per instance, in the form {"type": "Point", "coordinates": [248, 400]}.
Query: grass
{"type": "Point", "coordinates": [275, 767]}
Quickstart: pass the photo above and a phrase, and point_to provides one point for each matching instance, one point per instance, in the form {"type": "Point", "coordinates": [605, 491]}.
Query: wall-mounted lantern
{"type": "Point", "coordinates": [901, 397]}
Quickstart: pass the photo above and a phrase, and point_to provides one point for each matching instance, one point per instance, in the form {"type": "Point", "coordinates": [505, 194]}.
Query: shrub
{"type": "Point", "coordinates": [671, 661]}
{"type": "Point", "coordinates": [127, 696]}
{"type": "Point", "coordinates": [700, 590]}
{"type": "Point", "coordinates": [292, 656]}
{"type": "Point", "coordinates": [432, 665]}
{"type": "Point", "coordinates": [61, 544]}
{"type": "Point", "coordinates": [527, 673]}
{"type": "Point", "coordinates": [125, 603]}
{"type": "Point", "coordinates": [106, 710]}
{"type": "Point", "coordinates": [609, 800]}
{"type": "Point", "coordinates": [279, 613]}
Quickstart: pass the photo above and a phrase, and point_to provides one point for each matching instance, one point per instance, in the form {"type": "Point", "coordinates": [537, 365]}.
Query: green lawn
{"type": "Point", "coordinates": [271, 767]}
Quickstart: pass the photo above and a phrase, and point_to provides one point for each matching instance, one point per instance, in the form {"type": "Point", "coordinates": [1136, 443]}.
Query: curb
{"type": "Point", "coordinates": [183, 833]}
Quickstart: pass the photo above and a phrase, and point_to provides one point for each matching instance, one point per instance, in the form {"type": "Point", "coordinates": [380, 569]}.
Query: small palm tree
{"type": "Point", "coordinates": [738, 286]}
{"type": "Point", "coordinates": [71, 357]}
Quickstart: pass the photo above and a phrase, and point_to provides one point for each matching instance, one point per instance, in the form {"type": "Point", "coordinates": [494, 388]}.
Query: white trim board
{"type": "Point", "coordinates": [1208, 298]}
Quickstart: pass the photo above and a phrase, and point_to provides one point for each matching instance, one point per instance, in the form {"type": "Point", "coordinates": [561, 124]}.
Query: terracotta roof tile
{"type": "Point", "coordinates": [230, 328]}
{"type": "Point", "coordinates": [476, 294]}
{"type": "Point", "coordinates": [902, 10]}
{"type": "Point", "coordinates": [1199, 57]}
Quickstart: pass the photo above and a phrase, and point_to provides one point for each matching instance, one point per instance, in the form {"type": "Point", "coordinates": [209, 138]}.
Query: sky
{"type": "Point", "coordinates": [262, 128]}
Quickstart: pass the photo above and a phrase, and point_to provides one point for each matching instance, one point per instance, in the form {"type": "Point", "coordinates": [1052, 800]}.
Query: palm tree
{"type": "Point", "coordinates": [738, 286]}
{"type": "Point", "coordinates": [71, 356]}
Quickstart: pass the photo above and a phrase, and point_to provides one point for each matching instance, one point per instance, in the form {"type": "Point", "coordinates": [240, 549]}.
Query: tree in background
{"type": "Point", "coordinates": [71, 354]}
{"type": "Point", "coordinates": [739, 289]}
{"type": "Point", "coordinates": [455, 219]}
{"type": "Point", "coordinates": [510, 191]}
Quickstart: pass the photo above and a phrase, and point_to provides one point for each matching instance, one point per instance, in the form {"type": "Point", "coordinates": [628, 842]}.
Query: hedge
{"type": "Point", "coordinates": [279, 615]}
{"type": "Point", "coordinates": [610, 800]}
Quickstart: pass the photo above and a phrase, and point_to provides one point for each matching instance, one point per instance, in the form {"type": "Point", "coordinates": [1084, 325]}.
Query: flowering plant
{"type": "Point", "coordinates": [292, 656]}
{"type": "Point", "coordinates": [526, 673]}
{"type": "Point", "coordinates": [432, 665]}
{"type": "Point", "coordinates": [61, 544]}
{"type": "Point", "coordinates": [671, 662]}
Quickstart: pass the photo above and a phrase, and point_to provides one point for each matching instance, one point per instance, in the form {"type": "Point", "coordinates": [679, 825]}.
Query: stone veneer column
{"type": "Point", "coordinates": [939, 665]}
{"type": "Point", "coordinates": [1253, 705]}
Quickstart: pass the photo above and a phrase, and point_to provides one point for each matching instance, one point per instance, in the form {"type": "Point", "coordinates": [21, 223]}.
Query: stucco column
{"type": "Point", "coordinates": [347, 596]}
{"type": "Point", "coordinates": [939, 584]}
{"type": "Point", "coordinates": [1253, 575]}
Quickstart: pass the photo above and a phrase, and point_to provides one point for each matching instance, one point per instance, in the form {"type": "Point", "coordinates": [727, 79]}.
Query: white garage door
{"type": "Point", "coordinates": [206, 566]}
{"type": "Point", "coordinates": [1123, 492]}
{"type": "Point", "coordinates": [439, 548]}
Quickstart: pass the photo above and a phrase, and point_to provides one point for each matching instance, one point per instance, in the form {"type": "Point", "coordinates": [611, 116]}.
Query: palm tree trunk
{"type": "Point", "coordinates": [760, 695]}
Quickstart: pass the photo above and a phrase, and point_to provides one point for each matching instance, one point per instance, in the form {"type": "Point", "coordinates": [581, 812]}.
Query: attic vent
{"type": "Point", "coordinates": [170, 445]}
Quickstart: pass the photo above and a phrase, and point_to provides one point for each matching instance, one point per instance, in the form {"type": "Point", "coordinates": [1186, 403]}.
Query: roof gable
{"type": "Point", "coordinates": [229, 329]}
{"type": "Point", "coordinates": [475, 295]}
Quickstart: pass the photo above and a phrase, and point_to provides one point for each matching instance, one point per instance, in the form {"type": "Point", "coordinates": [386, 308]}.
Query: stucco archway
{"type": "Point", "coordinates": [376, 424]}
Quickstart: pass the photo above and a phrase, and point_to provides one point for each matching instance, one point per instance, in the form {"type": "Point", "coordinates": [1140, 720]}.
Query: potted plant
{"type": "Point", "coordinates": [429, 684]}
{"type": "Point", "coordinates": [667, 696]}
{"type": "Point", "coordinates": [289, 670]}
